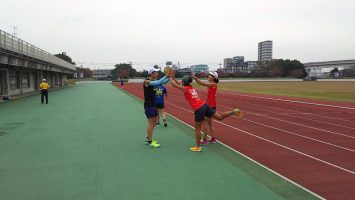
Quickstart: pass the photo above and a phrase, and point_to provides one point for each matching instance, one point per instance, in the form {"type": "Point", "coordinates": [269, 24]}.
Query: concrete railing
{"type": "Point", "coordinates": [14, 44]}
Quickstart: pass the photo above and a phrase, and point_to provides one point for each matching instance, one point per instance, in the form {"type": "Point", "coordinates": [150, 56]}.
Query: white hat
{"type": "Point", "coordinates": [44, 80]}
{"type": "Point", "coordinates": [215, 74]}
{"type": "Point", "coordinates": [152, 69]}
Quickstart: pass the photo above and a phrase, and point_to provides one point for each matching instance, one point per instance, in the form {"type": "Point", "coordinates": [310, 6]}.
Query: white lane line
{"type": "Point", "coordinates": [277, 144]}
{"type": "Point", "coordinates": [294, 123]}
{"type": "Point", "coordinates": [304, 113]}
{"type": "Point", "coordinates": [289, 132]}
{"type": "Point", "coordinates": [292, 101]}
{"type": "Point", "coordinates": [256, 162]}
{"type": "Point", "coordinates": [293, 115]}
{"type": "Point", "coordinates": [310, 138]}
{"type": "Point", "coordinates": [252, 160]}
{"type": "Point", "coordinates": [333, 118]}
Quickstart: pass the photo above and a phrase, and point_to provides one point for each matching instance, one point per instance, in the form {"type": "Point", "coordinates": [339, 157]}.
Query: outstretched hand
{"type": "Point", "coordinates": [193, 75]}
{"type": "Point", "coordinates": [170, 72]}
{"type": "Point", "coordinates": [166, 70]}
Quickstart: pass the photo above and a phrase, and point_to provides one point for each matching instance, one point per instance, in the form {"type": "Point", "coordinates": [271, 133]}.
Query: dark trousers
{"type": "Point", "coordinates": [44, 94]}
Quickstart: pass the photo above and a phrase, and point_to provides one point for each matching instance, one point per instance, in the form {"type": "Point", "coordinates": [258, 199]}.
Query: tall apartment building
{"type": "Point", "coordinates": [265, 50]}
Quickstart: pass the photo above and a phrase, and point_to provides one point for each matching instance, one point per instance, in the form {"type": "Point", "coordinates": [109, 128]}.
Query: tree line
{"type": "Point", "coordinates": [278, 68]}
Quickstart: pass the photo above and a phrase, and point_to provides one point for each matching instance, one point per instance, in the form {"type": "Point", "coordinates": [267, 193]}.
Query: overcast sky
{"type": "Point", "coordinates": [99, 33]}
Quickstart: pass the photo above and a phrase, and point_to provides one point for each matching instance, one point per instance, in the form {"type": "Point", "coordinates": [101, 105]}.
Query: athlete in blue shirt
{"type": "Point", "coordinates": [160, 91]}
{"type": "Point", "coordinates": [150, 108]}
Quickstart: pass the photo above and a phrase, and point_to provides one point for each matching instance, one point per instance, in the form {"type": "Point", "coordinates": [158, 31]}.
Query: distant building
{"type": "Point", "coordinates": [227, 62]}
{"type": "Point", "coordinates": [234, 64]}
{"type": "Point", "coordinates": [23, 66]}
{"type": "Point", "coordinates": [265, 51]}
{"type": "Point", "coordinates": [102, 74]}
{"type": "Point", "coordinates": [251, 65]}
{"type": "Point", "coordinates": [199, 68]}
{"type": "Point", "coordinates": [322, 69]}
{"type": "Point", "coordinates": [184, 71]}
{"type": "Point", "coordinates": [172, 65]}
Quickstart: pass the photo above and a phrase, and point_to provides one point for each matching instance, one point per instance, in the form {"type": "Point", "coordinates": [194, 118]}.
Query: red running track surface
{"type": "Point", "coordinates": [310, 142]}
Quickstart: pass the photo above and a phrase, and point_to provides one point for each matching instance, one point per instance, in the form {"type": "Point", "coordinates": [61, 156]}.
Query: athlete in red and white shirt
{"type": "Point", "coordinates": [212, 86]}
{"type": "Point", "coordinates": [192, 97]}
{"type": "Point", "coordinates": [200, 107]}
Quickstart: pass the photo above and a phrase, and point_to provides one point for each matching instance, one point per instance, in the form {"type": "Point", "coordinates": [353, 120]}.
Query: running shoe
{"type": "Point", "coordinates": [196, 149]}
{"type": "Point", "coordinates": [146, 141]}
{"type": "Point", "coordinates": [212, 141]}
{"type": "Point", "coordinates": [203, 142]}
{"type": "Point", "coordinates": [165, 123]}
{"type": "Point", "coordinates": [238, 113]}
{"type": "Point", "coordinates": [153, 144]}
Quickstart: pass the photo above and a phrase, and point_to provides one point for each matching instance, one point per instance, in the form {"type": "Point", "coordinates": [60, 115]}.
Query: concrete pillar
{"type": "Point", "coordinates": [61, 83]}
{"type": "Point", "coordinates": [20, 80]}
{"type": "Point", "coordinates": [4, 81]}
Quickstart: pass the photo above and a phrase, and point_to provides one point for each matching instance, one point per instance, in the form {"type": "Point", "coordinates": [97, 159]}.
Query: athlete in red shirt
{"type": "Point", "coordinates": [211, 85]}
{"type": "Point", "coordinates": [200, 107]}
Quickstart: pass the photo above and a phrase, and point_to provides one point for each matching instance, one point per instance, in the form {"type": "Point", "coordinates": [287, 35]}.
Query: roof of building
{"type": "Point", "coordinates": [325, 63]}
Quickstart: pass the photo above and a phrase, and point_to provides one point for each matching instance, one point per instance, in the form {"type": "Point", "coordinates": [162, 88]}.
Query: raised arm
{"type": "Point", "coordinates": [176, 84]}
{"type": "Point", "coordinates": [198, 81]}
{"type": "Point", "coordinates": [166, 81]}
{"type": "Point", "coordinates": [156, 83]}
{"type": "Point", "coordinates": [176, 81]}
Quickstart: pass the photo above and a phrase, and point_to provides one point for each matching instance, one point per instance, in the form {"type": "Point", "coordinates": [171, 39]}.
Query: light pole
{"type": "Point", "coordinates": [15, 30]}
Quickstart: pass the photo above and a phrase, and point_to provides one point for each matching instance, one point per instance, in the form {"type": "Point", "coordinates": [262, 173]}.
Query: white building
{"type": "Point", "coordinates": [322, 69]}
{"type": "Point", "coordinates": [199, 68]}
{"type": "Point", "coordinates": [102, 74]}
{"type": "Point", "coordinates": [251, 65]}
{"type": "Point", "coordinates": [265, 50]}
{"type": "Point", "coordinates": [234, 64]}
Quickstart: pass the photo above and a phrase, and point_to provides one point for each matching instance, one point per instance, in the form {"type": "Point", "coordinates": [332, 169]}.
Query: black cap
{"type": "Point", "coordinates": [186, 80]}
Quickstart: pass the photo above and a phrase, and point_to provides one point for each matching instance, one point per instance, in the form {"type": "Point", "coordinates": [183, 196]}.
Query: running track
{"type": "Point", "coordinates": [310, 142]}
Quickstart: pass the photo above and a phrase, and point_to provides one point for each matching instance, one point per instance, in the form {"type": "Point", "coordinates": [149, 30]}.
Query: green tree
{"type": "Point", "coordinates": [144, 73]}
{"type": "Point", "coordinates": [283, 68]}
{"type": "Point", "coordinates": [65, 57]}
{"type": "Point", "coordinates": [334, 70]}
{"type": "Point", "coordinates": [87, 72]}
{"type": "Point", "coordinates": [221, 73]}
{"type": "Point", "coordinates": [124, 71]}
{"type": "Point", "coordinates": [349, 72]}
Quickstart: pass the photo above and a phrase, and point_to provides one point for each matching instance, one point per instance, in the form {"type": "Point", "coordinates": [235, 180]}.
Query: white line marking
{"type": "Point", "coordinates": [292, 101]}
{"type": "Point", "coordinates": [293, 115]}
{"type": "Point", "coordinates": [256, 162]}
{"type": "Point", "coordinates": [252, 160]}
{"type": "Point", "coordinates": [296, 111]}
{"type": "Point", "coordinates": [321, 141]}
{"type": "Point", "coordinates": [294, 123]}
{"type": "Point", "coordinates": [277, 144]}
{"type": "Point", "coordinates": [310, 138]}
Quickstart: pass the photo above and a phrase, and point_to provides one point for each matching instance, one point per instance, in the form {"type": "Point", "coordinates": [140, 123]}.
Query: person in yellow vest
{"type": "Point", "coordinates": [44, 90]}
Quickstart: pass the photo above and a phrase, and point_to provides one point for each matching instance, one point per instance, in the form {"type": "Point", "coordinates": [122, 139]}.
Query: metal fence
{"type": "Point", "coordinates": [14, 44]}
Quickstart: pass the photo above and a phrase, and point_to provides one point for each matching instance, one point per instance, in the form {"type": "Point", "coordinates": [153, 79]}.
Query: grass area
{"type": "Point", "coordinates": [338, 91]}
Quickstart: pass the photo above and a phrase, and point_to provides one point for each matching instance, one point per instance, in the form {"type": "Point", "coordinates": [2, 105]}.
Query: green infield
{"type": "Point", "coordinates": [337, 91]}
